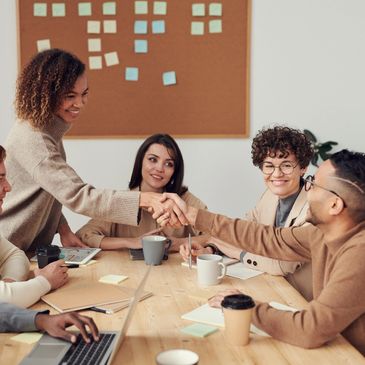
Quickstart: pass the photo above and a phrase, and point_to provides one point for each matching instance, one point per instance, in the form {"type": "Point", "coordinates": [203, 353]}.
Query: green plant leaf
{"type": "Point", "coordinates": [310, 135]}
{"type": "Point", "coordinates": [314, 160]}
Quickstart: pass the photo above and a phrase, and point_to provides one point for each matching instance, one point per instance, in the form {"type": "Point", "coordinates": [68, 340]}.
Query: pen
{"type": "Point", "coordinates": [189, 251]}
{"type": "Point", "coordinates": [96, 309]}
{"type": "Point", "coordinates": [71, 266]}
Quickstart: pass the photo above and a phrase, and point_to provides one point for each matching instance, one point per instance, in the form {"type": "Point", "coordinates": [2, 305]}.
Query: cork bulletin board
{"type": "Point", "coordinates": [174, 66]}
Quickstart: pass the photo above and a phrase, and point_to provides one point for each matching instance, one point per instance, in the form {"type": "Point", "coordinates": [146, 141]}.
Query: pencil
{"type": "Point", "coordinates": [189, 251]}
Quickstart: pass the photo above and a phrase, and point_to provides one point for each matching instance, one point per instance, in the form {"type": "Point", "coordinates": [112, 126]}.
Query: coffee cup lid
{"type": "Point", "coordinates": [238, 301]}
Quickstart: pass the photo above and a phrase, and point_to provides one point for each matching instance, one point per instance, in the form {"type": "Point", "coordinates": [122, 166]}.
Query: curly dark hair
{"type": "Point", "coordinates": [2, 153]}
{"type": "Point", "coordinates": [280, 141]}
{"type": "Point", "coordinates": [44, 81]}
{"type": "Point", "coordinates": [175, 185]}
{"type": "Point", "coordinates": [350, 168]}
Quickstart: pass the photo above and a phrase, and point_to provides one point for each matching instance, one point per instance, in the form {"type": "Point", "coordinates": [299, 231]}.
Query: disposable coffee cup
{"type": "Point", "coordinates": [237, 310]}
{"type": "Point", "coordinates": [47, 254]}
{"type": "Point", "coordinates": [210, 269]}
{"type": "Point", "coordinates": [154, 249]}
{"type": "Point", "coordinates": [177, 357]}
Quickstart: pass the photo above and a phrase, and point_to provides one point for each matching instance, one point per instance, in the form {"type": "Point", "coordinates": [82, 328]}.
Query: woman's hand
{"type": "Point", "coordinates": [68, 238]}
{"type": "Point", "coordinates": [217, 299]}
{"type": "Point", "coordinates": [196, 250]}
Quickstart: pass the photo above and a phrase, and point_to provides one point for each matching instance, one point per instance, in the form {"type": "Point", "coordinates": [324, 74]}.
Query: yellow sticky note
{"type": "Point", "coordinates": [27, 337]}
{"type": "Point", "coordinates": [140, 7]}
{"type": "Point", "coordinates": [40, 9]}
{"type": "Point", "coordinates": [112, 279]}
{"type": "Point", "coordinates": [111, 58]}
{"type": "Point", "coordinates": [109, 8]}
{"type": "Point", "coordinates": [43, 44]}
{"type": "Point", "coordinates": [58, 9]}
{"type": "Point", "coordinates": [110, 26]}
{"type": "Point", "coordinates": [198, 9]}
{"type": "Point", "coordinates": [215, 9]}
{"type": "Point", "coordinates": [215, 26]}
{"type": "Point", "coordinates": [159, 8]}
{"type": "Point", "coordinates": [85, 9]}
{"type": "Point", "coordinates": [95, 63]}
{"type": "Point", "coordinates": [93, 26]}
{"type": "Point", "coordinates": [94, 44]}
{"type": "Point", "coordinates": [92, 262]}
{"type": "Point", "coordinates": [197, 28]}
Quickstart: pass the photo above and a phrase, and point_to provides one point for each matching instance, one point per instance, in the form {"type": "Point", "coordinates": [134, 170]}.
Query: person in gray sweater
{"type": "Point", "coordinates": [15, 319]}
{"type": "Point", "coordinates": [52, 90]}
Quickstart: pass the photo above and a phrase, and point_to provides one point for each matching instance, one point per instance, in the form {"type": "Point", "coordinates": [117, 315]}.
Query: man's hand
{"type": "Point", "coordinates": [196, 250]}
{"type": "Point", "coordinates": [55, 325]}
{"type": "Point", "coordinates": [160, 206]}
{"type": "Point", "coordinates": [55, 273]}
{"type": "Point", "coordinates": [217, 299]}
{"type": "Point", "coordinates": [68, 238]}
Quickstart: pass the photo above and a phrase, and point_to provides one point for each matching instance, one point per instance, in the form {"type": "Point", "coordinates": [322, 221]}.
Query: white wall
{"type": "Point", "coordinates": [307, 69]}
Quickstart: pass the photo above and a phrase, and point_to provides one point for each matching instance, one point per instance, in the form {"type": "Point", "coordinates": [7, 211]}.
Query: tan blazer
{"type": "Point", "coordinates": [297, 273]}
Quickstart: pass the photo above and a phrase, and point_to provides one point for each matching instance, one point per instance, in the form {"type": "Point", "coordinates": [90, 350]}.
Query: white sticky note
{"type": "Point", "coordinates": [93, 26]}
{"type": "Point", "coordinates": [85, 9]}
{"type": "Point", "coordinates": [43, 44]}
{"type": "Point", "coordinates": [215, 9]}
{"type": "Point", "coordinates": [95, 63]}
{"type": "Point", "coordinates": [131, 73]}
{"type": "Point", "coordinates": [197, 28]}
{"type": "Point", "coordinates": [140, 27]}
{"type": "Point", "coordinates": [110, 26]}
{"type": "Point", "coordinates": [40, 9]}
{"type": "Point", "coordinates": [28, 337]}
{"type": "Point", "coordinates": [58, 9]}
{"type": "Point", "coordinates": [158, 26]}
{"type": "Point", "coordinates": [169, 78]}
{"type": "Point", "coordinates": [109, 8]}
{"type": "Point", "coordinates": [92, 262]}
{"type": "Point", "coordinates": [111, 58]}
{"type": "Point", "coordinates": [140, 46]}
{"type": "Point", "coordinates": [159, 7]}
{"type": "Point", "coordinates": [94, 44]}
{"type": "Point", "coordinates": [112, 279]}
{"type": "Point", "coordinates": [215, 26]}
{"type": "Point", "coordinates": [198, 9]}
{"type": "Point", "coordinates": [140, 7]}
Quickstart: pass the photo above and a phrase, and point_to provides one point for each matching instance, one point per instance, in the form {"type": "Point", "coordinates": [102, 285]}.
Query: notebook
{"type": "Point", "coordinates": [77, 295]}
{"type": "Point", "coordinates": [52, 351]}
{"type": "Point", "coordinates": [238, 270]}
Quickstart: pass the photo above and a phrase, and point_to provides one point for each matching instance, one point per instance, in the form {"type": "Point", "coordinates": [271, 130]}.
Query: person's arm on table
{"type": "Point", "coordinates": [15, 319]}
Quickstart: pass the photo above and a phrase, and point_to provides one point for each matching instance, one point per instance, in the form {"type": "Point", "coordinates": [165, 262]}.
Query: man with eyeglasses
{"type": "Point", "coordinates": [334, 242]}
{"type": "Point", "coordinates": [283, 155]}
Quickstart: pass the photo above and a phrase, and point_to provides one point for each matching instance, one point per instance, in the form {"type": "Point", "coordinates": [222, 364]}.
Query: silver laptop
{"type": "Point", "coordinates": [50, 350]}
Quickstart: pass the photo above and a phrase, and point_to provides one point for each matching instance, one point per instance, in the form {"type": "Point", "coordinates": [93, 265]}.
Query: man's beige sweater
{"type": "Point", "coordinates": [338, 278]}
{"type": "Point", "coordinates": [42, 182]}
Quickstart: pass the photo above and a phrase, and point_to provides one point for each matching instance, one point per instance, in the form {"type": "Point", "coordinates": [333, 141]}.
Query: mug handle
{"type": "Point", "coordinates": [224, 270]}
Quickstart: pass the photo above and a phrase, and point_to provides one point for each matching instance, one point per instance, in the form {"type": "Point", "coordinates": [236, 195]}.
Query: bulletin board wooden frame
{"type": "Point", "coordinates": [211, 95]}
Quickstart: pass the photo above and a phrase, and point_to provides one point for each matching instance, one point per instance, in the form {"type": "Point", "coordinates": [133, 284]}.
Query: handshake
{"type": "Point", "coordinates": [168, 209]}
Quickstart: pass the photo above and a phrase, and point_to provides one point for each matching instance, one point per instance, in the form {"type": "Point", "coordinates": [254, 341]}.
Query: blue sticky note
{"type": "Point", "coordinates": [140, 27]}
{"type": "Point", "coordinates": [199, 330]}
{"type": "Point", "coordinates": [131, 73]}
{"type": "Point", "coordinates": [109, 8]}
{"type": "Point", "coordinates": [40, 9]}
{"type": "Point", "coordinates": [169, 78]}
{"type": "Point", "coordinates": [158, 26]}
{"type": "Point", "coordinates": [140, 46]}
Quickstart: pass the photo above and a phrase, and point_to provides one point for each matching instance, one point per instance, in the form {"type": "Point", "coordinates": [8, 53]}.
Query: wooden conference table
{"type": "Point", "coordinates": [157, 322]}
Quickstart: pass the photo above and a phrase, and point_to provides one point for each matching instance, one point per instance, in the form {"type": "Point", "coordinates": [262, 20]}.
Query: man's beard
{"type": "Point", "coordinates": [312, 217]}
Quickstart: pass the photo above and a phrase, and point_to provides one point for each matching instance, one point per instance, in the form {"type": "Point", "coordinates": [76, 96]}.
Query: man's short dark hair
{"type": "Point", "coordinates": [350, 169]}
{"type": "Point", "coordinates": [2, 153]}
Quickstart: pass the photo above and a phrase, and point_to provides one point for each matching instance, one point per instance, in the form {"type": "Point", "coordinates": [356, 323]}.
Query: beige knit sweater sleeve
{"type": "Point", "coordinates": [14, 264]}
{"type": "Point", "coordinates": [59, 179]}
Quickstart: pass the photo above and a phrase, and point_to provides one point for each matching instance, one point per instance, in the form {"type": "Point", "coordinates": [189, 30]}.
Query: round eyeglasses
{"type": "Point", "coordinates": [286, 167]}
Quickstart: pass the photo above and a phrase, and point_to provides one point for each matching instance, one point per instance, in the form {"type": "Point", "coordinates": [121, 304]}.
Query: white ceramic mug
{"type": "Point", "coordinates": [210, 269]}
{"type": "Point", "coordinates": [177, 357]}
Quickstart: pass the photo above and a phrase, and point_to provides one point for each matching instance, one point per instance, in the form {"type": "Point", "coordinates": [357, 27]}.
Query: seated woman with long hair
{"type": "Point", "coordinates": [158, 167]}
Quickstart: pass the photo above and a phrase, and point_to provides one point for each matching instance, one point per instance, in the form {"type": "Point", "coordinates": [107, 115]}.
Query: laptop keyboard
{"type": "Point", "coordinates": [88, 353]}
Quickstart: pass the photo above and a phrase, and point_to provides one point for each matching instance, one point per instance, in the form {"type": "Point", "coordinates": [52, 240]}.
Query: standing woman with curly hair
{"type": "Point", "coordinates": [51, 92]}
{"type": "Point", "coordinates": [283, 155]}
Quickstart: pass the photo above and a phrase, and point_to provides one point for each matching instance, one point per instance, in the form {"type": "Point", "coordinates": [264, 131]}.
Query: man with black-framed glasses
{"type": "Point", "coordinates": [334, 242]}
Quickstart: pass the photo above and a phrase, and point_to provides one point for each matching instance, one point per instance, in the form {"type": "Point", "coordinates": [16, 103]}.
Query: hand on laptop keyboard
{"type": "Point", "coordinates": [55, 325]}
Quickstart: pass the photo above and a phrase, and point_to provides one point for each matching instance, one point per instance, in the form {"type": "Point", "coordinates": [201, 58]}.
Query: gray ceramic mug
{"type": "Point", "coordinates": [154, 249]}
